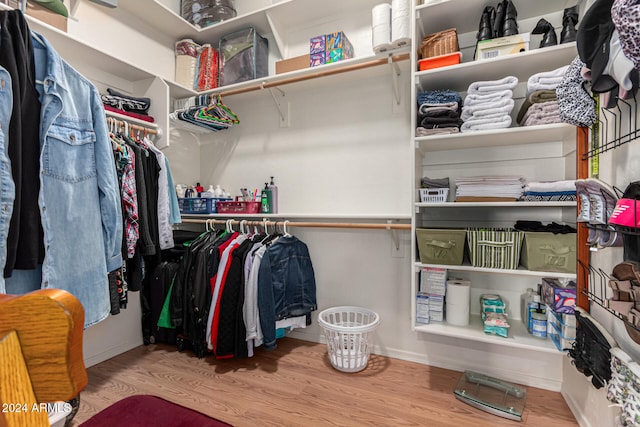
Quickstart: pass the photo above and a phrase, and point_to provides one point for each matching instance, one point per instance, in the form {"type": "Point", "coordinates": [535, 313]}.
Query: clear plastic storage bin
{"type": "Point", "coordinates": [244, 56]}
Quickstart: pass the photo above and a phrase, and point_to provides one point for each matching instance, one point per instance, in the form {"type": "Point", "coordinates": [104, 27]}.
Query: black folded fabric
{"type": "Point", "coordinates": [430, 122]}
{"type": "Point", "coordinates": [554, 227]}
{"type": "Point", "coordinates": [439, 114]}
{"type": "Point", "coordinates": [126, 102]}
{"type": "Point", "coordinates": [427, 182]}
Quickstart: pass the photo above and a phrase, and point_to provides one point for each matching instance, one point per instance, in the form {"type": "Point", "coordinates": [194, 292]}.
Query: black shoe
{"type": "Point", "coordinates": [590, 352]}
{"type": "Point", "coordinates": [549, 33]}
{"type": "Point", "coordinates": [569, 21]}
{"type": "Point", "coordinates": [510, 26]}
{"type": "Point", "coordinates": [485, 30]}
{"type": "Point", "coordinates": [498, 19]}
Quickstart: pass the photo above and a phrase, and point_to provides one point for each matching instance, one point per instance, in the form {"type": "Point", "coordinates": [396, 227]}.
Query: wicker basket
{"type": "Point", "coordinates": [440, 43]}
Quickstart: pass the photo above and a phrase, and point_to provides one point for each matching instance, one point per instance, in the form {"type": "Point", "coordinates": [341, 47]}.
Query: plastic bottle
{"type": "Point", "coordinates": [534, 307]}
{"type": "Point", "coordinates": [266, 198]}
{"type": "Point", "coordinates": [539, 324]}
{"type": "Point", "coordinates": [274, 196]}
{"type": "Point", "coordinates": [218, 191]}
{"type": "Point", "coordinates": [525, 299]}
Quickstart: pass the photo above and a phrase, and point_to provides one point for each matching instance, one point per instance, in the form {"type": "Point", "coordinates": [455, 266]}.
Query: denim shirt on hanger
{"type": "Point", "coordinates": [286, 285]}
{"type": "Point", "coordinates": [79, 200]}
{"type": "Point", "coordinates": [7, 186]}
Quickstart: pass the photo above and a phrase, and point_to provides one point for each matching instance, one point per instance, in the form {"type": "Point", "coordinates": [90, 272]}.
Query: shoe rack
{"type": "Point", "coordinates": [616, 127]}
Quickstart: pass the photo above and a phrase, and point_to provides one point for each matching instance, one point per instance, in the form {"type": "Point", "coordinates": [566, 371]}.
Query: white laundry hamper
{"type": "Point", "coordinates": [347, 330]}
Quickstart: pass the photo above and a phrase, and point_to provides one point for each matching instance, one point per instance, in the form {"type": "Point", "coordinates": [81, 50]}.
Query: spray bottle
{"type": "Point", "coordinates": [274, 196]}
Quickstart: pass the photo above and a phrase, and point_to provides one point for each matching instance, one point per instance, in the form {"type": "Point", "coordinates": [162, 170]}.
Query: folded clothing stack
{"type": "Point", "coordinates": [541, 104]}
{"type": "Point", "coordinates": [488, 104]}
{"type": "Point", "coordinates": [438, 112]}
{"type": "Point", "coordinates": [550, 191]}
{"type": "Point", "coordinates": [489, 188]}
{"type": "Point", "coordinates": [127, 105]}
{"type": "Point", "coordinates": [537, 226]}
{"type": "Point", "coordinates": [427, 182]}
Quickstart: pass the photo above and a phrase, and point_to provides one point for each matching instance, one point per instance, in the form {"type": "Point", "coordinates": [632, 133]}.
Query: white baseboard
{"type": "Point", "coordinates": [111, 352]}
{"type": "Point", "coordinates": [581, 418]}
{"type": "Point", "coordinates": [507, 374]}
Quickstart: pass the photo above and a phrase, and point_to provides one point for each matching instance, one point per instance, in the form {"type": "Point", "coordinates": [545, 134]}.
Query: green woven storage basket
{"type": "Point", "coordinates": [494, 247]}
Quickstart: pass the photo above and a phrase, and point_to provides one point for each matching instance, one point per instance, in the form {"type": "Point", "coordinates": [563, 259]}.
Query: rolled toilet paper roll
{"type": "Point", "coordinates": [381, 27]}
{"type": "Point", "coordinates": [400, 23]}
{"type": "Point", "coordinates": [457, 302]}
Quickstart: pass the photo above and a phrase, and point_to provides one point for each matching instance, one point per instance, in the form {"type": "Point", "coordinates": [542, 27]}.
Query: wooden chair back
{"type": "Point", "coordinates": [40, 354]}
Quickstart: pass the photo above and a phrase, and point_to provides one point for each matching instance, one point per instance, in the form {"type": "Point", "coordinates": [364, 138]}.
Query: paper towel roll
{"type": "Point", "coordinates": [457, 302]}
{"type": "Point", "coordinates": [381, 27]}
{"type": "Point", "coordinates": [400, 23]}
{"type": "Point", "coordinates": [186, 62]}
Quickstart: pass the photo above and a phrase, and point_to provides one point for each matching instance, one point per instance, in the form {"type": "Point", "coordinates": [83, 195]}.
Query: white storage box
{"type": "Point", "coordinates": [562, 343]}
{"type": "Point", "coordinates": [563, 323]}
{"type": "Point", "coordinates": [434, 195]}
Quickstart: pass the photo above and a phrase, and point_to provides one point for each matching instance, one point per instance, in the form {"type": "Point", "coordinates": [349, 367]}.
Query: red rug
{"type": "Point", "coordinates": [145, 411]}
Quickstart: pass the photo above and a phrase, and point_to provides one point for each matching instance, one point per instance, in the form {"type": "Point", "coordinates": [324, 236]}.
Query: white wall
{"type": "Point", "coordinates": [346, 152]}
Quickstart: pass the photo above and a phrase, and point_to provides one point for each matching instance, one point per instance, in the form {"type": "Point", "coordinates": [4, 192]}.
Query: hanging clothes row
{"type": "Point", "coordinates": [61, 218]}
{"type": "Point", "coordinates": [149, 205]}
{"type": "Point", "coordinates": [234, 291]}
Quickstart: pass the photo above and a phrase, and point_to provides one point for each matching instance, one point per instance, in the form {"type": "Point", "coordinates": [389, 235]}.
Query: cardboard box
{"type": "Point", "coordinates": [292, 64]}
{"type": "Point", "coordinates": [433, 280]}
{"type": "Point", "coordinates": [40, 13]}
{"type": "Point", "coordinates": [488, 49]}
{"type": "Point", "coordinates": [45, 15]}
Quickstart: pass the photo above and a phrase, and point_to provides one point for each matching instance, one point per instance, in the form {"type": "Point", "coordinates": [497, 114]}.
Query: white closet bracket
{"type": "Point", "coordinates": [281, 104]}
{"type": "Point", "coordinates": [395, 75]}
{"type": "Point", "coordinates": [394, 235]}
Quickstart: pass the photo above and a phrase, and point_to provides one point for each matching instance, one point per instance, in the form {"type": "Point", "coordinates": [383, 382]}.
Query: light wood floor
{"type": "Point", "coordinates": [295, 385]}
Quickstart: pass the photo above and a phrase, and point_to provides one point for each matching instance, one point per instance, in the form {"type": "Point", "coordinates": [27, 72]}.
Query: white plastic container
{"type": "Point", "coordinates": [347, 330]}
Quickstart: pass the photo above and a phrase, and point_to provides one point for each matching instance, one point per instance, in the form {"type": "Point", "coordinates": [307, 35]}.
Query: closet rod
{"type": "Point", "coordinates": [377, 226]}
{"type": "Point", "coordinates": [132, 126]}
{"type": "Point", "coordinates": [320, 73]}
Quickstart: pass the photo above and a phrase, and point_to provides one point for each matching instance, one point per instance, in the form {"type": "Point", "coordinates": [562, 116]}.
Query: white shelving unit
{"type": "Point", "coordinates": [456, 77]}
{"type": "Point", "coordinates": [545, 152]}
{"type": "Point", "coordinates": [518, 335]}
{"type": "Point", "coordinates": [107, 70]}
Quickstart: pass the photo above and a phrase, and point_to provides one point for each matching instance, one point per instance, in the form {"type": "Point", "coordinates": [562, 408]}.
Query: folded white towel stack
{"type": "Point", "coordinates": [546, 80]}
{"type": "Point", "coordinates": [488, 104]}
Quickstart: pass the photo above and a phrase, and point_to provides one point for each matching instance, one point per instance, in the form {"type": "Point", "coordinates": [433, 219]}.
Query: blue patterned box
{"type": "Point", "coordinates": [317, 45]}
{"type": "Point", "coordinates": [317, 59]}
{"type": "Point", "coordinates": [338, 40]}
{"type": "Point", "coordinates": [336, 55]}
